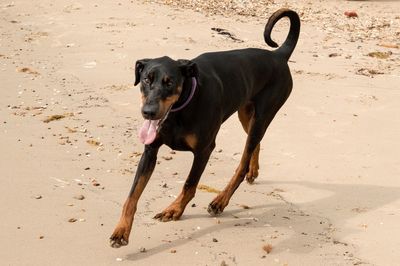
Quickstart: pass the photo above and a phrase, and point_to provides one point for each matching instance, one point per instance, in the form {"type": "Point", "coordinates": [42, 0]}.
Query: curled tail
{"type": "Point", "coordinates": [288, 46]}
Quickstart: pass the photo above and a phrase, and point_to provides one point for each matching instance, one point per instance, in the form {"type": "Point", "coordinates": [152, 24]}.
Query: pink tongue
{"type": "Point", "coordinates": [148, 131]}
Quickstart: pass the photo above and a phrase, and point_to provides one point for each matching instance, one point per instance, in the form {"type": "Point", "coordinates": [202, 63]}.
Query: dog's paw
{"type": "Point", "coordinates": [252, 174]}
{"type": "Point", "coordinates": [250, 179]}
{"type": "Point", "coordinates": [214, 209]}
{"type": "Point", "coordinates": [217, 206]}
{"type": "Point", "coordinates": [169, 214]}
{"type": "Point", "coordinates": [119, 238]}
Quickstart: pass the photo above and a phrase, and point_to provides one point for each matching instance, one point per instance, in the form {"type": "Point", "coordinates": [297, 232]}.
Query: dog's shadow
{"type": "Point", "coordinates": [305, 220]}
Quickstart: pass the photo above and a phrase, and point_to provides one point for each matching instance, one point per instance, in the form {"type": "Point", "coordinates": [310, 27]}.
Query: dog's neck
{"type": "Point", "coordinates": [188, 89]}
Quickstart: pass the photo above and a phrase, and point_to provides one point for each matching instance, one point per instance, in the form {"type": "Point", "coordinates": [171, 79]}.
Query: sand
{"type": "Point", "coordinates": [328, 191]}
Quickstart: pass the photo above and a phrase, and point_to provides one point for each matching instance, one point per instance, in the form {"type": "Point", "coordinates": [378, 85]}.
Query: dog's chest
{"type": "Point", "coordinates": [178, 138]}
{"type": "Point", "coordinates": [181, 143]}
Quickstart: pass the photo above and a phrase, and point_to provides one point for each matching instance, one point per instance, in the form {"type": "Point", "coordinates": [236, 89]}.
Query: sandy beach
{"type": "Point", "coordinates": [328, 192]}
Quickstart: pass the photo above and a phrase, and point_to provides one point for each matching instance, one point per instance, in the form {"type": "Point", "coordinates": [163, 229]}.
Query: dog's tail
{"type": "Point", "coordinates": [291, 40]}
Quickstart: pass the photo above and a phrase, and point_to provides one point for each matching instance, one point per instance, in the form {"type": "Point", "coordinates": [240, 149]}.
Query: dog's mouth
{"type": "Point", "coordinates": [150, 128]}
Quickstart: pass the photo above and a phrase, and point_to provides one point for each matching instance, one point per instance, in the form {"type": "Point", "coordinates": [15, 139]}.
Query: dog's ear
{"type": "Point", "coordinates": [188, 68]}
{"type": "Point", "coordinates": [139, 66]}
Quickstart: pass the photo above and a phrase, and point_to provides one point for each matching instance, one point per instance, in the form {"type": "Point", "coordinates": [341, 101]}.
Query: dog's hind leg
{"type": "Point", "coordinates": [245, 113]}
{"type": "Point", "coordinates": [256, 132]}
{"type": "Point", "coordinates": [266, 105]}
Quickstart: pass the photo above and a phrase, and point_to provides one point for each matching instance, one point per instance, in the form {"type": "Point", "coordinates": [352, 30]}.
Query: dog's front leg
{"type": "Point", "coordinates": [120, 237]}
{"type": "Point", "coordinates": [175, 210]}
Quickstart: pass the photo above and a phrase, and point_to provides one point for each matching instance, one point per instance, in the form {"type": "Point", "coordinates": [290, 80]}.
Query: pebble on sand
{"type": "Point", "coordinates": [79, 197]}
{"type": "Point", "coordinates": [351, 14]}
{"type": "Point", "coordinates": [267, 248]}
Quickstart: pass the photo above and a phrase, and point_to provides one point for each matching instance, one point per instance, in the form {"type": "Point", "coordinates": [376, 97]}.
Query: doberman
{"type": "Point", "coordinates": [184, 103]}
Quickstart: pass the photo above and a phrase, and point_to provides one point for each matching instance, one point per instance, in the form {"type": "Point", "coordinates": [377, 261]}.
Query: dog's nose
{"type": "Point", "coordinates": [149, 111]}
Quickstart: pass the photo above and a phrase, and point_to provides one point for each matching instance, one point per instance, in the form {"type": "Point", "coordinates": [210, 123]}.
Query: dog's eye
{"type": "Point", "coordinates": [146, 80]}
{"type": "Point", "coordinates": [168, 82]}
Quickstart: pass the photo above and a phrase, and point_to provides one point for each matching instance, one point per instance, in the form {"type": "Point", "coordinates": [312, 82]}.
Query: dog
{"type": "Point", "coordinates": [185, 102]}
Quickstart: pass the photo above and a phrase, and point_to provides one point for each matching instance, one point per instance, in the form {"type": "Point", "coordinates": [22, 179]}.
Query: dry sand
{"type": "Point", "coordinates": [329, 188]}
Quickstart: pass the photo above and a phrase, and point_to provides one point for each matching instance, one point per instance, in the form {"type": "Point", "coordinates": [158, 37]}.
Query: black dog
{"type": "Point", "coordinates": [185, 102]}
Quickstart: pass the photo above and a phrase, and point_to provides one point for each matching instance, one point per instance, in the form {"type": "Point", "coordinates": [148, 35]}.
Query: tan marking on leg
{"type": "Point", "coordinates": [252, 174]}
{"type": "Point", "coordinates": [221, 201]}
{"type": "Point", "coordinates": [130, 205]}
{"type": "Point", "coordinates": [245, 113]}
{"type": "Point", "coordinates": [124, 226]}
{"type": "Point", "coordinates": [175, 210]}
{"type": "Point", "coordinates": [191, 141]}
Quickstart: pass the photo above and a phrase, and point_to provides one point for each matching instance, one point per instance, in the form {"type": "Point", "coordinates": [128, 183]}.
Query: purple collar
{"type": "Point", "coordinates": [194, 85]}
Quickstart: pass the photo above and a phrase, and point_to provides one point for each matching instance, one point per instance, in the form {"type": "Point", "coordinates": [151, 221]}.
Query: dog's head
{"type": "Point", "coordinates": [161, 81]}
